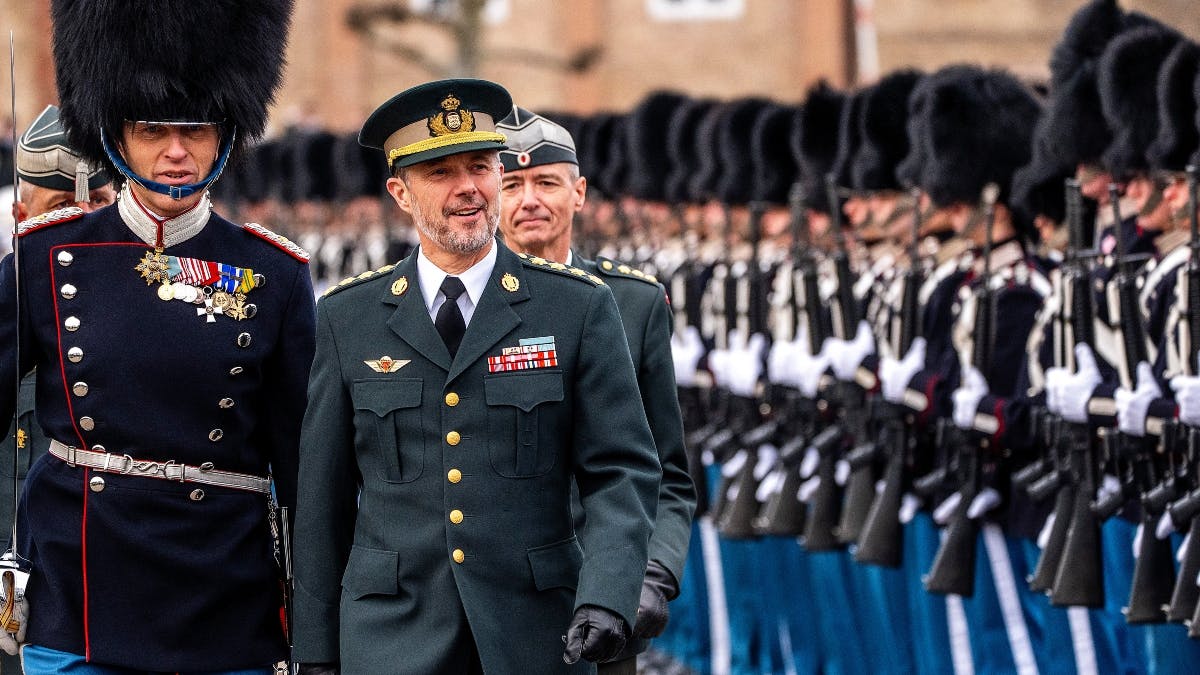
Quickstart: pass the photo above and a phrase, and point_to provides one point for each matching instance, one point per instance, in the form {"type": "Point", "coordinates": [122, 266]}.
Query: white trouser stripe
{"type": "Point", "coordinates": [1082, 642]}
{"type": "Point", "coordinates": [1010, 602]}
{"type": "Point", "coordinates": [960, 636]}
{"type": "Point", "coordinates": [718, 612]}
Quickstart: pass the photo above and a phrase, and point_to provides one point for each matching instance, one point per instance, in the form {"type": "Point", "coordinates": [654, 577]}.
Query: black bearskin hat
{"type": "Point", "coordinates": [681, 150]}
{"type": "Point", "coordinates": [849, 138]}
{"type": "Point", "coordinates": [703, 184]}
{"type": "Point", "coordinates": [736, 183]}
{"type": "Point", "coordinates": [646, 144]}
{"type": "Point", "coordinates": [884, 135]}
{"type": "Point", "coordinates": [980, 131]}
{"type": "Point", "coordinates": [1177, 135]}
{"type": "Point", "coordinates": [814, 142]}
{"type": "Point", "coordinates": [168, 60]}
{"type": "Point", "coordinates": [774, 165]}
{"type": "Point", "coordinates": [1127, 76]}
{"type": "Point", "coordinates": [1075, 124]}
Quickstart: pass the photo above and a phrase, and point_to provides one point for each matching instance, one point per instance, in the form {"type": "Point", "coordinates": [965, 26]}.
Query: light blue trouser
{"type": "Point", "coordinates": [930, 631]}
{"type": "Point", "coordinates": [45, 661]}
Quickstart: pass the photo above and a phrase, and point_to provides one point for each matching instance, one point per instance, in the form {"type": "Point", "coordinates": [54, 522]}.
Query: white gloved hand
{"type": "Point", "coordinates": [1053, 384]}
{"type": "Point", "coordinates": [987, 500]}
{"type": "Point", "coordinates": [1074, 392]}
{"type": "Point", "coordinates": [686, 350]}
{"type": "Point", "coordinates": [745, 363]}
{"type": "Point", "coordinates": [806, 369]}
{"type": "Point", "coordinates": [718, 365]}
{"type": "Point", "coordinates": [895, 375]}
{"type": "Point", "coordinates": [847, 355]}
{"type": "Point", "coordinates": [1132, 406]}
{"type": "Point", "coordinates": [779, 361]}
{"type": "Point", "coordinates": [967, 397]}
{"type": "Point", "coordinates": [1187, 396]}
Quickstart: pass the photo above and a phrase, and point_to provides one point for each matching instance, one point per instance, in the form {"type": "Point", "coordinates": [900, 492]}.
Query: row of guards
{"type": "Point", "coordinates": [935, 347]}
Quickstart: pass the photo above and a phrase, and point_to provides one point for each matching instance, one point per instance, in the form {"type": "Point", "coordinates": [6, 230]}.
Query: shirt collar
{"type": "Point", "coordinates": [144, 224]}
{"type": "Point", "coordinates": [474, 278]}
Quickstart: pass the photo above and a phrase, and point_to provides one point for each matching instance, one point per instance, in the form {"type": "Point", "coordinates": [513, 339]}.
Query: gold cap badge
{"type": "Point", "coordinates": [510, 283]}
{"type": "Point", "coordinates": [399, 286]}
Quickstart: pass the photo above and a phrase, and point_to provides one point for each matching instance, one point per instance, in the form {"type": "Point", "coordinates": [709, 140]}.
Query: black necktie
{"type": "Point", "coordinates": [449, 321]}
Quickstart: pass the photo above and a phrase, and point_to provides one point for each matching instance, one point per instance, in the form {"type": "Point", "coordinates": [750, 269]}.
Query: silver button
{"type": "Point", "coordinates": [87, 423]}
{"type": "Point", "coordinates": [250, 309]}
{"type": "Point", "coordinates": [96, 484]}
{"type": "Point", "coordinates": [226, 403]}
{"type": "Point", "coordinates": [243, 340]}
{"type": "Point", "coordinates": [74, 354]}
{"type": "Point", "coordinates": [65, 258]}
{"type": "Point", "coordinates": [68, 291]}
{"type": "Point", "coordinates": [71, 323]}
{"type": "Point", "coordinates": [236, 370]}
{"type": "Point", "coordinates": [216, 435]}
{"type": "Point", "coordinates": [80, 388]}
{"type": "Point", "coordinates": [196, 495]}
{"type": "Point", "coordinates": [99, 448]}
{"type": "Point", "coordinates": [259, 281]}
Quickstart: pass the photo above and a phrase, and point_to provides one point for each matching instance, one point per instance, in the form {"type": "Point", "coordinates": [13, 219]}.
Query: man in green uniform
{"type": "Point", "coordinates": [455, 398]}
{"type": "Point", "coordinates": [542, 191]}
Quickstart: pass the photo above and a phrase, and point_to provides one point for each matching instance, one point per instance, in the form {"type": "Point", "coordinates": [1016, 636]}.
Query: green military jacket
{"type": "Point", "coordinates": [435, 494]}
{"type": "Point", "coordinates": [646, 317]}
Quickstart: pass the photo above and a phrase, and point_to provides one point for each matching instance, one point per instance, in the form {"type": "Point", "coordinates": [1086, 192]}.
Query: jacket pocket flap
{"type": "Point", "coordinates": [383, 396]}
{"type": "Point", "coordinates": [523, 390]}
{"type": "Point", "coordinates": [556, 565]}
{"type": "Point", "coordinates": [371, 571]}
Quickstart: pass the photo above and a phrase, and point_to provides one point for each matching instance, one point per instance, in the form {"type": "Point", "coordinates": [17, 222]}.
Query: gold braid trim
{"type": "Point", "coordinates": [442, 142]}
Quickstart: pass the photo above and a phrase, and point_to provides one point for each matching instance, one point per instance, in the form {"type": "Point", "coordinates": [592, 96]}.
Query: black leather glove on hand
{"type": "Point", "coordinates": [657, 588]}
{"type": "Point", "coordinates": [318, 669]}
{"type": "Point", "coordinates": [595, 634]}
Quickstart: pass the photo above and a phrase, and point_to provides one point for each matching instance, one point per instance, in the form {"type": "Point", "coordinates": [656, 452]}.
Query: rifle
{"type": "Point", "coordinates": [882, 539]}
{"type": "Point", "coordinates": [784, 512]}
{"type": "Point", "coordinates": [1070, 566]}
{"type": "Point", "coordinates": [1148, 594]}
{"type": "Point", "coordinates": [953, 569]}
{"type": "Point", "coordinates": [1183, 606]}
{"type": "Point", "coordinates": [859, 489]}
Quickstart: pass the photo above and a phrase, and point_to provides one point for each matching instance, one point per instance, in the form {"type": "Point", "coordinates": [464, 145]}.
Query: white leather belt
{"type": "Point", "coordinates": [169, 470]}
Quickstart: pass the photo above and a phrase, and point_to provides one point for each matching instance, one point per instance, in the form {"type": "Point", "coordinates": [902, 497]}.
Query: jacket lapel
{"type": "Point", "coordinates": [411, 320]}
{"type": "Point", "coordinates": [494, 317]}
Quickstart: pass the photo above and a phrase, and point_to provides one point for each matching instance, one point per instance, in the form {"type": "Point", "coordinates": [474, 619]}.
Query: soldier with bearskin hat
{"type": "Point", "coordinates": [172, 351]}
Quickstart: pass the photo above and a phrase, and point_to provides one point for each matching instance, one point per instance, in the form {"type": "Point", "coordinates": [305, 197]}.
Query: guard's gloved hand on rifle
{"type": "Point", "coordinates": [894, 375]}
{"type": "Point", "coordinates": [686, 351]}
{"type": "Point", "coordinates": [658, 588]}
{"type": "Point", "coordinates": [318, 669]}
{"type": "Point", "coordinates": [779, 361]}
{"type": "Point", "coordinates": [847, 355]}
{"type": "Point", "coordinates": [1133, 406]}
{"type": "Point", "coordinates": [744, 363]}
{"type": "Point", "coordinates": [1067, 394]}
{"type": "Point", "coordinates": [805, 370]}
{"type": "Point", "coordinates": [1187, 396]}
{"type": "Point", "coordinates": [595, 634]}
{"type": "Point", "coordinates": [967, 397]}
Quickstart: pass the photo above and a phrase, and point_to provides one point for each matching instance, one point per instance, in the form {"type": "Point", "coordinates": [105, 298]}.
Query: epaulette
{"type": "Point", "coordinates": [356, 280]}
{"type": "Point", "coordinates": [49, 218]}
{"type": "Point", "coordinates": [283, 243]}
{"type": "Point", "coordinates": [613, 268]}
{"type": "Point", "coordinates": [565, 270]}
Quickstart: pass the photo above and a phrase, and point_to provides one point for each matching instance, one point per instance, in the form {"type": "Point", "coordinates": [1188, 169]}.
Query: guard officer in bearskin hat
{"type": "Point", "coordinates": [172, 350]}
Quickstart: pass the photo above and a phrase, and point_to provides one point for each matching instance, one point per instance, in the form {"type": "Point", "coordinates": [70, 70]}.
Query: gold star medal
{"type": "Point", "coordinates": [153, 267]}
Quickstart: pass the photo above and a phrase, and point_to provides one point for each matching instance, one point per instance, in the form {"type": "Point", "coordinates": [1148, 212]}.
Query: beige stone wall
{"type": "Point", "coordinates": [776, 49]}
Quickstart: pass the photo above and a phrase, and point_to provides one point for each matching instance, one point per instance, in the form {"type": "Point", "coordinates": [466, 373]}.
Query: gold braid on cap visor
{"type": "Point", "coordinates": [442, 142]}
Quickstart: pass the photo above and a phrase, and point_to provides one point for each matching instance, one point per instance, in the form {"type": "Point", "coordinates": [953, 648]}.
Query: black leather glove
{"type": "Point", "coordinates": [658, 587]}
{"type": "Point", "coordinates": [595, 634]}
{"type": "Point", "coordinates": [318, 669]}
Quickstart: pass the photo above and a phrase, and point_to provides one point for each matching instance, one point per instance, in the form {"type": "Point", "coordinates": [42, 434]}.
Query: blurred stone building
{"type": "Point", "coordinates": [347, 56]}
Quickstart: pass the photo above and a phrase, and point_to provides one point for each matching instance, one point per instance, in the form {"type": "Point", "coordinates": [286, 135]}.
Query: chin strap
{"type": "Point", "coordinates": [173, 191]}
